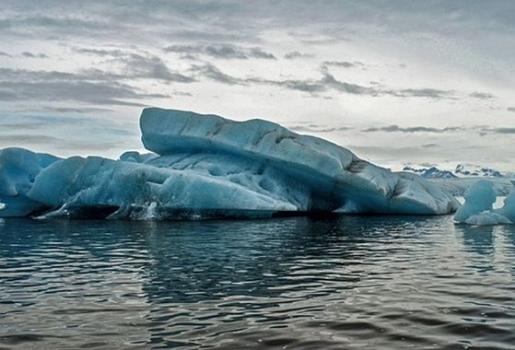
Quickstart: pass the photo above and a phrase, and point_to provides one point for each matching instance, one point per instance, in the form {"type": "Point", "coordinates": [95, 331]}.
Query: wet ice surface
{"type": "Point", "coordinates": [370, 282]}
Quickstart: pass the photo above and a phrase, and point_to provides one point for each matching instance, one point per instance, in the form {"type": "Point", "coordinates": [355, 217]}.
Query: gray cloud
{"type": "Point", "coordinates": [481, 130]}
{"type": "Point", "coordinates": [296, 54]}
{"type": "Point", "coordinates": [318, 128]}
{"type": "Point", "coordinates": [101, 52]}
{"type": "Point", "coordinates": [481, 95]}
{"type": "Point", "coordinates": [99, 93]}
{"type": "Point", "coordinates": [42, 140]}
{"type": "Point", "coordinates": [137, 65]}
{"type": "Point", "coordinates": [343, 64]}
{"type": "Point", "coordinates": [28, 54]}
{"type": "Point", "coordinates": [213, 73]}
{"type": "Point", "coordinates": [221, 51]}
{"type": "Point", "coordinates": [51, 121]}
{"type": "Point", "coordinates": [325, 84]}
{"type": "Point", "coordinates": [331, 82]}
{"type": "Point", "coordinates": [414, 129]}
{"type": "Point", "coordinates": [425, 92]}
{"type": "Point", "coordinates": [7, 95]}
{"type": "Point", "coordinates": [257, 52]}
{"type": "Point", "coordinates": [198, 23]}
{"type": "Point", "coordinates": [80, 110]}
{"type": "Point", "coordinates": [223, 12]}
{"type": "Point", "coordinates": [5, 54]}
{"type": "Point", "coordinates": [29, 138]}
{"type": "Point", "coordinates": [502, 130]}
{"type": "Point", "coordinates": [213, 35]}
{"type": "Point", "coordinates": [25, 25]}
{"type": "Point", "coordinates": [92, 87]}
{"type": "Point", "coordinates": [511, 109]}
{"type": "Point", "coordinates": [152, 67]}
{"type": "Point", "coordinates": [56, 130]}
{"type": "Point", "coordinates": [309, 86]}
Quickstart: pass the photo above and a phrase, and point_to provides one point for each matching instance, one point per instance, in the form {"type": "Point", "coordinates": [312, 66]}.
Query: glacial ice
{"type": "Point", "coordinates": [508, 210]}
{"type": "Point", "coordinates": [128, 189]}
{"type": "Point", "coordinates": [18, 170]}
{"type": "Point", "coordinates": [206, 165]}
{"type": "Point", "coordinates": [479, 197]}
{"type": "Point", "coordinates": [136, 157]}
{"type": "Point", "coordinates": [478, 206]}
{"type": "Point", "coordinates": [333, 178]}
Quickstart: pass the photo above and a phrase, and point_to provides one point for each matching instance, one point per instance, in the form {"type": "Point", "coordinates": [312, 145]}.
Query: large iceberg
{"type": "Point", "coordinates": [209, 166]}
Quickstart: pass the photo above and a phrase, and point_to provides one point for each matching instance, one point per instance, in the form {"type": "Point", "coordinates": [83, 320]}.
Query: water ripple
{"type": "Point", "coordinates": [351, 282]}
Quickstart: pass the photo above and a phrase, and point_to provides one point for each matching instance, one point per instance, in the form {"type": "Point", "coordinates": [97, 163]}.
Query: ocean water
{"type": "Point", "coordinates": [369, 282]}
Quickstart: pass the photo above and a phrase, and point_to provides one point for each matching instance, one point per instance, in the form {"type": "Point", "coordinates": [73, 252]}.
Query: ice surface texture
{"type": "Point", "coordinates": [478, 210]}
{"type": "Point", "coordinates": [206, 165]}
{"type": "Point", "coordinates": [18, 170]}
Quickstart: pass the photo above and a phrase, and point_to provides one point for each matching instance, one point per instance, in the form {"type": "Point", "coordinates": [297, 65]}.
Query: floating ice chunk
{"type": "Point", "coordinates": [479, 197]}
{"type": "Point", "coordinates": [487, 218]}
{"type": "Point", "coordinates": [508, 210]}
{"type": "Point", "coordinates": [477, 209]}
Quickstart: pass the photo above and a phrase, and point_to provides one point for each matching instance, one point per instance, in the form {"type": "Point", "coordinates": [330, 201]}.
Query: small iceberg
{"type": "Point", "coordinates": [478, 206]}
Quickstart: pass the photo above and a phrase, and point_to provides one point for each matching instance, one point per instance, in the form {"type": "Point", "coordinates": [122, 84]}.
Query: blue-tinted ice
{"type": "Point", "coordinates": [206, 165]}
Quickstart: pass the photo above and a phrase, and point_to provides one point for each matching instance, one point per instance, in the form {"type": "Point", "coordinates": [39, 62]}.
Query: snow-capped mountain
{"type": "Point", "coordinates": [461, 170]}
{"type": "Point", "coordinates": [476, 170]}
{"type": "Point", "coordinates": [431, 172]}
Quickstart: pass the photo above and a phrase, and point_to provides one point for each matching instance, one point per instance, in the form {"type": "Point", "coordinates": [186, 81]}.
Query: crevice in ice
{"type": "Point", "coordinates": [399, 189]}
{"type": "Point", "coordinates": [357, 166]}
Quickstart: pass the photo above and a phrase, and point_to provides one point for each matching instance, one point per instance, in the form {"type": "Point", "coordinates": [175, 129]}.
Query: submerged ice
{"type": "Point", "coordinates": [206, 165]}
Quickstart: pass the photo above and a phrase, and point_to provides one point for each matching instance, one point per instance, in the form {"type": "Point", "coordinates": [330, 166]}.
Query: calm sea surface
{"type": "Point", "coordinates": [370, 282]}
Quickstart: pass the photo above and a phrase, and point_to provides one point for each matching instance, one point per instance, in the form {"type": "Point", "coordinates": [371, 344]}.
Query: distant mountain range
{"type": "Point", "coordinates": [475, 170]}
{"type": "Point", "coordinates": [432, 172]}
{"type": "Point", "coordinates": [461, 170]}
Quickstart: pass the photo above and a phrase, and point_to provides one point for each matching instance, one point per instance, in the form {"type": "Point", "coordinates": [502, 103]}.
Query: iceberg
{"type": "Point", "coordinates": [478, 206]}
{"type": "Point", "coordinates": [508, 210]}
{"type": "Point", "coordinates": [479, 198]}
{"type": "Point", "coordinates": [209, 166]}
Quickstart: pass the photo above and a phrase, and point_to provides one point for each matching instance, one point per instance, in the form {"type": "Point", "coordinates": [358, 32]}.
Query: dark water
{"type": "Point", "coordinates": [297, 283]}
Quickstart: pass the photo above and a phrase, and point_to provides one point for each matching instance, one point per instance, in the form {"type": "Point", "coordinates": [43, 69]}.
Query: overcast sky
{"type": "Point", "coordinates": [395, 81]}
